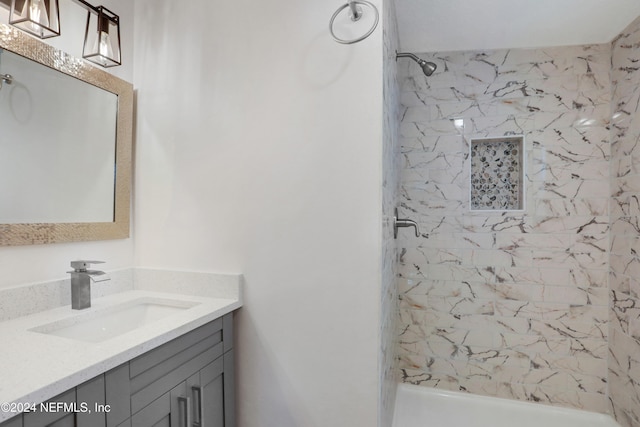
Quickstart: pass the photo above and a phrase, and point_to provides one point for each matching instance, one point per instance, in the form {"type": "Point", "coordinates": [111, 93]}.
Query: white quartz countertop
{"type": "Point", "coordinates": [36, 366]}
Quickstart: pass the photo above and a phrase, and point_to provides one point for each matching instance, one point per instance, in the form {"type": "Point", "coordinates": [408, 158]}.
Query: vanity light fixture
{"type": "Point", "coordinates": [102, 34]}
{"type": "Point", "coordinates": [102, 37]}
{"type": "Point", "coordinates": [38, 17]}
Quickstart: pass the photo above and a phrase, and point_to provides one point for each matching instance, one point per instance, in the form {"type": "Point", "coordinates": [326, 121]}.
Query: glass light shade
{"type": "Point", "coordinates": [102, 38]}
{"type": "Point", "coordinates": [38, 17]}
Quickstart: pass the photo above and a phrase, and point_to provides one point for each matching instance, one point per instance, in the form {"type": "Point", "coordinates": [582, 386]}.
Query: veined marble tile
{"type": "Point", "coordinates": [570, 188]}
{"type": "Point", "coordinates": [587, 117]}
{"type": "Point", "coordinates": [418, 129]}
{"type": "Point", "coordinates": [413, 257]}
{"type": "Point", "coordinates": [529, 240]}
{"type": "Point", "coordinates": [571, 364]}
{"type": "Point", "coordinates": [561, 152]}
{"type": "Point", "coordinates": [452, 272]}
{"type": "Point", "coordinates": [447, 240]}
{"type": "Point", "coordinates": [461, 306]}
{"type": "Point", "coordinates": [588, 278]}
{"type": "Point", "coordinates": [494, 126]}
{"type": "Point", "coordinates": [626, 184]}
{"type": "Point", "coordinates": [570, 137]}
{"type": "Point", "coordinates": [438, 143]}
{"type": "Point", "coordinates": [565, 207]}
{"type": "Point", "coordinates": [587, 313]}
{"type": "Point", "coordinates": [533, 309]}
{"type": "Point", "coordinates": [416, 96]}
{"type": "Point", "coordinates": [420, 177]}
{"type": "Point", "coordinates": [519, 292]}
{"type": "Point", "coordinates": [502, 258]}
{"type": "Point", "coordinates": [533, 344]}
{"type": "Point", "coordinates": [512, 222]}
{"type": "Point", "coordinates": [592, 225]}
{"type": "Point", "coordinates": [596, 348]}
{"type": "Point", "coordinates": [572, 329]}
{"type": "Point", "coordinates": [462, 338]}
{"type": "Point", "coordinates": [576, 295]}
{"type": "Point", "coordinates": [426, 193]}
{"type": "Point", "coordinates": [450, 176]}
{"type": "Point", "coordinates": [543, 276]}
{"type": "Point", "coordinates": [439, 206]}
{"type": "Point", "coordinates": [435, 160]}
{"type": "Point", "coordinates": [553, 168]}
{"type": "Point", "coordinates": [431, 224]}
{"type": "Point", "coordinates": [625, 225]}
{"type": "Point", "coordinates": [594, 258]}
{"type": "Point", "coordinates": [620, 283]}
{"type": "Point", "coordinates": [445, 288]}
{"type": "Point", "coordinates": [540, 376]}
{"type": "Point", "coordinates": [628, 265]}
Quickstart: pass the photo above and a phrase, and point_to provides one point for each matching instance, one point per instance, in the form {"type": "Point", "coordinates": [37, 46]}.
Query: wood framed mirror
{"type": "Point", "coordinates": [61, 111]}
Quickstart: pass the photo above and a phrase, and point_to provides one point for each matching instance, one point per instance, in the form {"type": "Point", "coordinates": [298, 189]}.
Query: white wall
{"type": "Point", "coordinates": [259, 151]}
{"type": "Point", "coordinates": [26, 264]}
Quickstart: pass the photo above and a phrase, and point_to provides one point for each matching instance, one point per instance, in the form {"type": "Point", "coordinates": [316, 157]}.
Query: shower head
{"type": "Point", "coordinates": [427, 67]}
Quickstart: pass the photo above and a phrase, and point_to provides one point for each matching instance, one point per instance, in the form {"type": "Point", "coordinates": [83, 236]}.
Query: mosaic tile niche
{"type": "Point", "coordinates": [497, 174]}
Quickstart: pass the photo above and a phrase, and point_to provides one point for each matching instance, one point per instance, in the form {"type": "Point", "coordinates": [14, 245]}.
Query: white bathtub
{"type": "Point", "coordinates": [428, 407]}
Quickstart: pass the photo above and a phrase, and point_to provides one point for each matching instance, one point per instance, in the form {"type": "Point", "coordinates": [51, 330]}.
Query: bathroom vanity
{"type": "Point", "coordinates": [185, 382]}
{"type": "Point", "coordinates": [171, 365]}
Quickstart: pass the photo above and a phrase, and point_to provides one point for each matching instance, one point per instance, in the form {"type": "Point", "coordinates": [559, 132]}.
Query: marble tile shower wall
{"type": "Point", "coordinates": [390, 191]}
{"type": "Point", "coordinates": [624, 280]}
{"type": "Point", "coordinates": [508, 304]}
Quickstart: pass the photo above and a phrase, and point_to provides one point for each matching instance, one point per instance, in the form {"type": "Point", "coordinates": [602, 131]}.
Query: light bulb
{"type": "Point", "coordinates": [38, 15]}
{"type": "Point", "coordinates": [105, 45]}
{"type": "Point", "coordinates": [102, 45]}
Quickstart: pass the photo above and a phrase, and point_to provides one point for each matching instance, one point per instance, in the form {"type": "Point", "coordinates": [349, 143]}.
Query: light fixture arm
{"type": "Point", "coordinates": [86, 5]}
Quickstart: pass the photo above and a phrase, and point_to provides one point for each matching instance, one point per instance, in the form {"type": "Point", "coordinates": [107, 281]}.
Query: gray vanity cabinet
{"type": "Point", "coordinates": [73, 408]}
{"type": "Point", "coordinates": [187, 382]}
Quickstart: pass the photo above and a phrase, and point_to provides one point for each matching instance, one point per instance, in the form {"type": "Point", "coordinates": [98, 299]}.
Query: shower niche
{"type": "Point", "coordinates": [497, 174]}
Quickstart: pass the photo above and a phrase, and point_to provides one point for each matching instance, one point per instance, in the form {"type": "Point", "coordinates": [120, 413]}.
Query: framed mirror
{"type": "Point", "coordinates": [65, 146]}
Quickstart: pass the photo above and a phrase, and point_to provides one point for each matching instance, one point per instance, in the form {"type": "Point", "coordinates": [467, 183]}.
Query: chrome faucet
{"type": "Point", "coordinates": [81, 279]}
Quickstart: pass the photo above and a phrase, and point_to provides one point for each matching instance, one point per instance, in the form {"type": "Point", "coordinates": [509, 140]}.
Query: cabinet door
{"type": "Point", "coordinates": [209, 396]}
{"type": "Point", "coordinates": [156, 414]}
{"type": "Point", "coordinates": [118, 396]}
{"type": "Point", "coordinates": [59, 413]}
{"type": "Point", "coordinates": [182, 403]}
{"type": "Point", "coordinates": [13, 422]}
{"type": "Point", "coordinates": [91, 396]}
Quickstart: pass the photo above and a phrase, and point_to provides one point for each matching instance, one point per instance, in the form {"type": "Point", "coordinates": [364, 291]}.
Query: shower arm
{"type": "Point", "coordinates": [408, 55]}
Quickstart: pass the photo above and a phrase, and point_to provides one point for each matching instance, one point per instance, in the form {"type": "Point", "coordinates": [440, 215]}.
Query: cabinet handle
{"type": "Point", "coordinates": [197, 406]}
{"type": "Point", "coordinates": [185, 414]}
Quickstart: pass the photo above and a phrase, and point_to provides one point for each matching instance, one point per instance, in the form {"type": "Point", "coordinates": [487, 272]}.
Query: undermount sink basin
{"type": "Point", "coordinates": [113, 321]}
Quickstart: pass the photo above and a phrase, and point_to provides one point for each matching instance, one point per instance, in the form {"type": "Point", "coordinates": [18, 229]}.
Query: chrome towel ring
{"type": "Point", "coordinates": [356, 14]}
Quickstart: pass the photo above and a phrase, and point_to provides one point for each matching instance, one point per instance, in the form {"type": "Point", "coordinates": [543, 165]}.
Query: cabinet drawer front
{"type": "Point", "coordinates": [173, 362]}
{"type": "Point", "coordinates": [166, 351]}
{"type": "Point", "coordinates": [173, 377]}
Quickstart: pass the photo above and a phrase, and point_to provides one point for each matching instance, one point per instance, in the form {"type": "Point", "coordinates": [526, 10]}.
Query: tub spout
{"type": "Point", "coordinates": [397, 222]}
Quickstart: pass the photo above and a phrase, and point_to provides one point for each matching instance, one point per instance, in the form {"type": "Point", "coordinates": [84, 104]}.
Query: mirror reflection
{"type": "Point", "coordinates": [57, 145]}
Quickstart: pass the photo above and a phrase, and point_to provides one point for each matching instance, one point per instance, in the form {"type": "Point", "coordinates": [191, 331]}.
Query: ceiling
{"type": "Point", "coordinates": [445, 25]}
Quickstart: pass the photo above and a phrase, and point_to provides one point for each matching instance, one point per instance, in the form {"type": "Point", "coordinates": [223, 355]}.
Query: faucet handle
{"type": "Point", "coordinates": [82, 265]}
